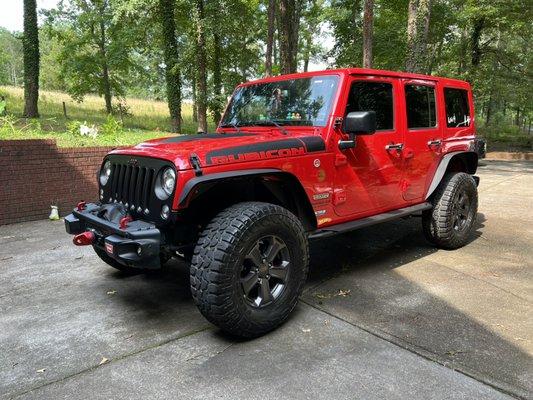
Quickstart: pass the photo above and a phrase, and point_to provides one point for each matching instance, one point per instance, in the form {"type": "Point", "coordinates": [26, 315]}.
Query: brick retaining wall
{"type": "Point", "coordinates": [35, 174]}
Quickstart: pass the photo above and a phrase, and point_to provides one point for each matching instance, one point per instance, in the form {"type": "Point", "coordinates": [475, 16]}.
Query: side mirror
{"type": "Point", "coordinates": [357, 123]}
{"type": "Point", "coordinates": [360, 123]}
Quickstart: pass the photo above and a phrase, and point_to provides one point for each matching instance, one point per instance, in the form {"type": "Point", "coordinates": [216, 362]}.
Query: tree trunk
{"type": "Point", "coordinates": [475, 39]}
{"type": "Point", "coordinates": [202, 67]}
{"type": "Point", "coordinates": [170, 55]}
{"type": "Point", "coordinates": [270, 36]}
{"type": "Point", "coordinates": [30, 44]}
{"type": "Point", "coordinates": [489, 111]}
{"type": "Point", "coordinates": [106, 84]}
{"type": "Point", "coordinates": [417, 35]}
{"type": "Point", "coordinates": [307, 50]}
{"type": "Point", "coordinates": [289, 22]}
{"type": "Point", "coordinates": [463, 52]}
{"type": "Point", "coordinates": [217, 78]}
{"type": "Point", "coordinates": [368, 32]}
{"type": "Point", "coordinates": [194, 98]}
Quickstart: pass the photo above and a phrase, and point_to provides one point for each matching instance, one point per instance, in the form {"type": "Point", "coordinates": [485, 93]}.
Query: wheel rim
{"type": "Point", "coordinates": [265, 271]}
{"type": "Point", "coordinates": [461, 215]}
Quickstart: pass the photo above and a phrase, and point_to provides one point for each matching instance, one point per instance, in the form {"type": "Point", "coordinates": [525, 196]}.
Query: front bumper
{"type": "Point", "coordinates": [136, 245]}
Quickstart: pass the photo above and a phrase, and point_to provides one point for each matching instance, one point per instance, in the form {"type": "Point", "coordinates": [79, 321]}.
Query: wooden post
{"type": "Point", "coordinates": [120, 111]}
{"type": "Point", "coordinates": [65, 110]}
{"type": "Point", "coordinates": [4, 111]}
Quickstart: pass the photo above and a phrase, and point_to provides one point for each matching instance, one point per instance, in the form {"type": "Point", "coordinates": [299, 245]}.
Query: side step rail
{"type": "Point", "coordinates": [369, 221]}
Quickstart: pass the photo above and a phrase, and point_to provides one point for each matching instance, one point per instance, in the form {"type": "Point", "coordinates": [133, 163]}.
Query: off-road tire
{"type": "Point", "coordinates": [217, 262]}
{"type": "Point", "coordinates": [114, 263]}
{"type": "Point", "coordinates": [439, 223]}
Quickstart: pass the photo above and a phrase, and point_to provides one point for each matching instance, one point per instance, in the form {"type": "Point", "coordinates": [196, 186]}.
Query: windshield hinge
{"type": "Point", "coordinates": [337, 123]}
{"type": "Point", "coordinates": [195, 162]}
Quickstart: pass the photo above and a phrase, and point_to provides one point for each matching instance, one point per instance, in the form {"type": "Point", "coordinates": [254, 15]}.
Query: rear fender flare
{"type": "Point", "coordinates": [443, 167]}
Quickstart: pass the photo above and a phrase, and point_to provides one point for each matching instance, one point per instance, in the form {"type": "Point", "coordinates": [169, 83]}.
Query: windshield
{"type": "Point", "coordinates": [302, 101]}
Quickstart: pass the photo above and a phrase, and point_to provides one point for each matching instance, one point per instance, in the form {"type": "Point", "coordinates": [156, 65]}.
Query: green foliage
{"type": "Point", "coordinates": [111, 126]}
{"type": "Point", "coordinates": [73, 127]}
{"type": "Point", "coordinates": [95, 49]}
{"type": "Point", "coordinates": [486, 42]}
{"type": "Point", "coordinates": [11, 68]}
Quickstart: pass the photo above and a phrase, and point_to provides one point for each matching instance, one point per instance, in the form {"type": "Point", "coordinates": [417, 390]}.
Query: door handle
{"type": "Point", "coordinates": [394, 146]}
{"type": "Point", "coordinates": [435, 143]}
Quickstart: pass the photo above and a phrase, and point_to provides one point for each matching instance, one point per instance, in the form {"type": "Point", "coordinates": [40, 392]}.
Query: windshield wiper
{"type": "Point", "coordinates": [232, 125]}
{"type": "Point", "coordinates": [269, 122]}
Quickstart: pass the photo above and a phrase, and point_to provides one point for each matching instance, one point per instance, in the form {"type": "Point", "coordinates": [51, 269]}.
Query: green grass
{"type": "Point", "coordinates": [148, 119]}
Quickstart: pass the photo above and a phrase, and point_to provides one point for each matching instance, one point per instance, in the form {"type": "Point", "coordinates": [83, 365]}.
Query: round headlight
{"type": "Point", "coordinates": [105, 173]}
{"type": "Point", "coordinates": [168, 181]}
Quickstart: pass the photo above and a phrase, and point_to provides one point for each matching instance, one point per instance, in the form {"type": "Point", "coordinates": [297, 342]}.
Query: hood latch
{"type": "Point", "coordinates": [195, 162]}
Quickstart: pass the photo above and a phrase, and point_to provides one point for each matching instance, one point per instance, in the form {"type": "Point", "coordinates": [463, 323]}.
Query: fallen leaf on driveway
{"type": "Point", "coordinates": [111, 292]}
{"type": "Point", "coordinates": [103, 361]}
{"type": "Point", "coordinates": [40, 371]}
{"type": "Point", "coordinates": [341, 292]}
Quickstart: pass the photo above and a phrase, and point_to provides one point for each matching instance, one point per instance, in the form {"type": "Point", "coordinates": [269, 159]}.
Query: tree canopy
{"type": "Point", "coordinates": [200, 50]}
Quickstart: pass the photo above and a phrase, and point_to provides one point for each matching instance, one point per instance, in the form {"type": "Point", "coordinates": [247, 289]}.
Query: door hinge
{"type": "Point", "coordinates": [337, 123]}
{"type": "Point", "coordinates": [340, 160]}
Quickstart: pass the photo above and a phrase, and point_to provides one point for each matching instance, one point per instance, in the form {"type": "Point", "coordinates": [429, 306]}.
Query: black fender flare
{"type": "Point", "coordinates": [443, 166]}
{"type": "Point", "coordinates": [203, 182]}
{"type": "Point", "coordinates": [219, 176]}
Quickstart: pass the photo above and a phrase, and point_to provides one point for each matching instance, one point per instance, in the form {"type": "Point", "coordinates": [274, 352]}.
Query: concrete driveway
{"type": "Point", "coordinates": [384, 315]}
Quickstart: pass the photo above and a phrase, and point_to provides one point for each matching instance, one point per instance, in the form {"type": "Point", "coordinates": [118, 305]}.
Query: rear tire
{"type": "Point", "coordinates": [249, 267]}
{"type": "Point", "coordinates": [449, 223]}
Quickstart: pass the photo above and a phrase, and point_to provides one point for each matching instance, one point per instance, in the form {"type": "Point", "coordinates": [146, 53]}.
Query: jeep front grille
{"type": "Point", "coordinates": [132, 183]}
{"type": "Point", "coordinates": [132, 186]}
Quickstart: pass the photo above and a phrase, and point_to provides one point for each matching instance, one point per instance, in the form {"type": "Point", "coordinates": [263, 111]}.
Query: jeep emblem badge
{"type": "Point", "coordinates": [133, 162]}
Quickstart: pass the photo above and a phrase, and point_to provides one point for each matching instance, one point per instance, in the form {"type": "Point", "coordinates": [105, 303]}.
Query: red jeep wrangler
{"type": "Point", "coordinates": [295, 157]}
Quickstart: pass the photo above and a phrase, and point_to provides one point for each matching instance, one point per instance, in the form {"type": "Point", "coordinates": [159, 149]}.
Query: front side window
{"type": "Point", "coordinates": [302, 101]}
{"type": "Point", "coordinates": [420, 104]}
{"type": "Point", "coordinates": [373, 96]}
{"type": "Point", "coordinates": [457, 110]}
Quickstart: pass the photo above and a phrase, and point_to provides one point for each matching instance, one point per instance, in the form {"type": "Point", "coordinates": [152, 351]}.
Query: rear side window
{"type": "Point", "coordinates": [420, 102]}
{"type": "Point", "coordinates": [457, 110]}
{"type": "Point", "coordinates": [373, 96]}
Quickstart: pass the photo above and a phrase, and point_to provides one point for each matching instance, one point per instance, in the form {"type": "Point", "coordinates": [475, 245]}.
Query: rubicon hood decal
{"type": "Point", "coordinates": [266, 150]}
{"type": "Point", "coordinates": [216, 149]}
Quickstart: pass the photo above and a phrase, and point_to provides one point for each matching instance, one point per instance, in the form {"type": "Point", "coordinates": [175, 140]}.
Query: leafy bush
{"type": "Point", "coordinates": [111, 126]}
{"type": "Point", "coordinates": [73, 127]}
{"type": "Point", "coordinates": [121, 109]}
{"type": "Point", "coordinates": [506, 135]}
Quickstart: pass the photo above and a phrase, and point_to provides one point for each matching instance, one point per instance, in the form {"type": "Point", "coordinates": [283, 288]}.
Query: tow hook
{"type": "Point", "coordinates": [84, 239]}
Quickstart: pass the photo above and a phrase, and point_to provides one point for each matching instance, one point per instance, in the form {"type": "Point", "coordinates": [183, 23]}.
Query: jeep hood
{"type": "Point", "coordinates": [216, 149]}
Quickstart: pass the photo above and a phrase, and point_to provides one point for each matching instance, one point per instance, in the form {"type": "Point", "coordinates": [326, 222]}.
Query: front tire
{"type": "Point", "coordinates": [449, 223]}
{"type": "Point", "coordinates": [249, 267]}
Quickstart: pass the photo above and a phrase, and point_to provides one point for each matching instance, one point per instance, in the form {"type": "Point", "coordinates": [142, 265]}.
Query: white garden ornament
{"type": "Point", "coordinates": [90, 131]}
{"type": "Point", "coordinates": [54, 214]}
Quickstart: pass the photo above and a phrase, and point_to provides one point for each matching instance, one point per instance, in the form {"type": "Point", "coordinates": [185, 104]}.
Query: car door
{"type": "Point", "coordinates": [422, 137]}
{"type": "Point", "coordinates": [369, 181]}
